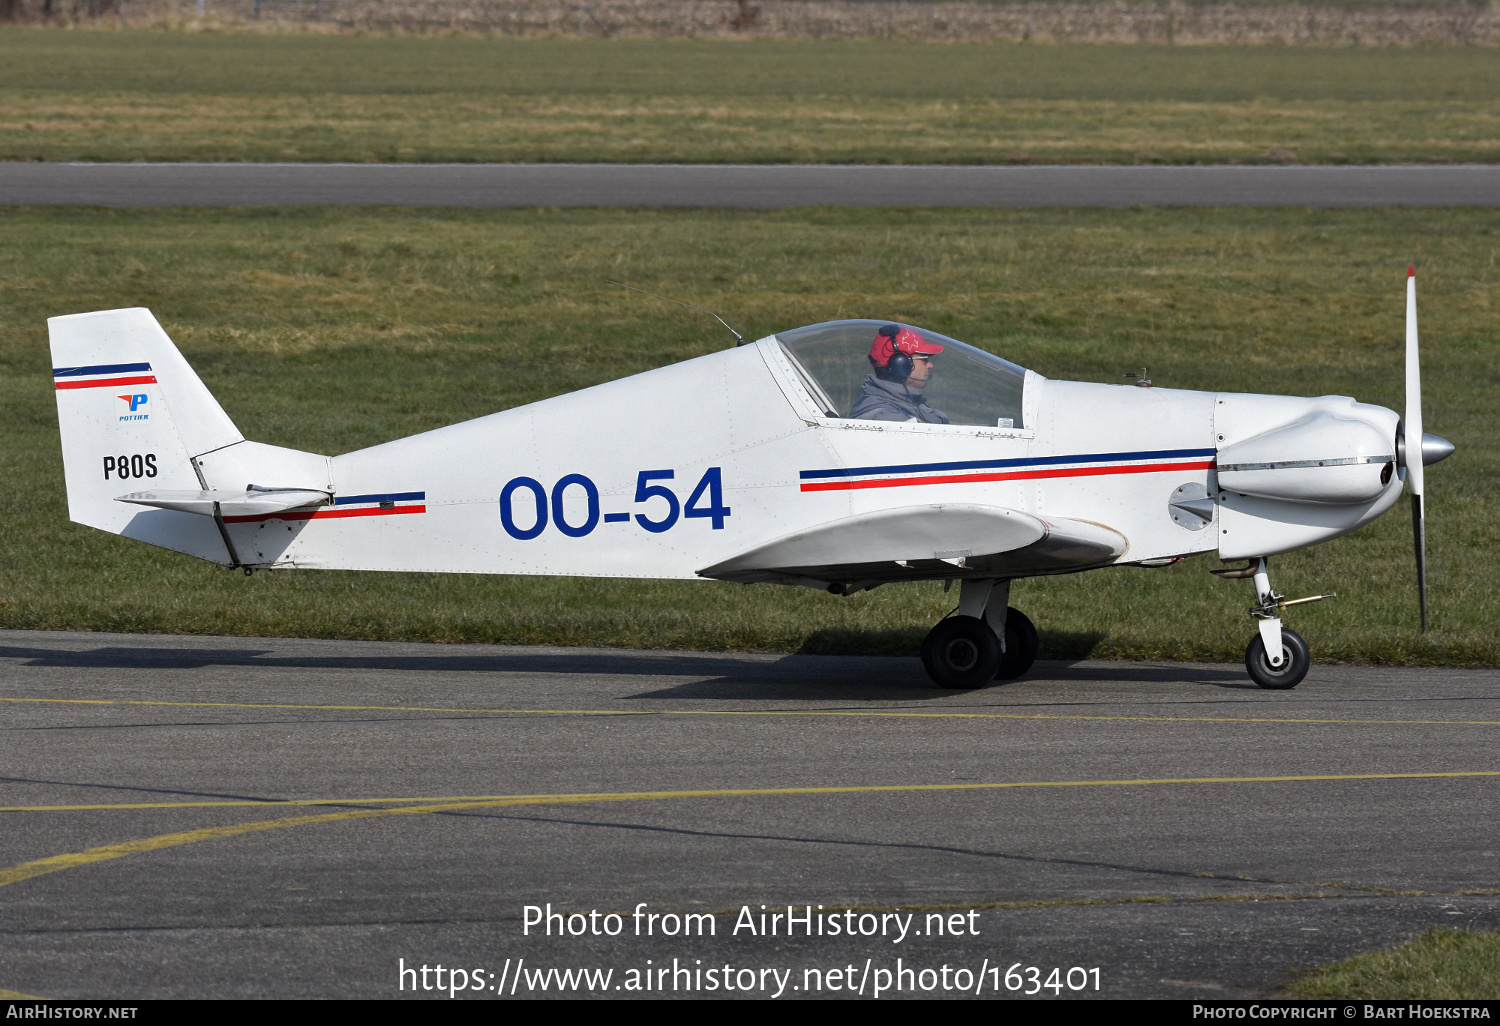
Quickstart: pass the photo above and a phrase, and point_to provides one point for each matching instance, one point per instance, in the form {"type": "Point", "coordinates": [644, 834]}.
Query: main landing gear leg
{"type": "Point", "coordinates": [1277, 657]}
{"type": "Point", "coordinates": [1019, 640]}
{"type": "Point", "coordinates": [985, 640]}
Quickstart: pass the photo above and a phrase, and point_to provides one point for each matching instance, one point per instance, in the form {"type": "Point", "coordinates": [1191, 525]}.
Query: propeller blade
{"type": "Point", "coordinates": [1412, 426]}
{"type": "Point", "coordinates": [1419, 541]}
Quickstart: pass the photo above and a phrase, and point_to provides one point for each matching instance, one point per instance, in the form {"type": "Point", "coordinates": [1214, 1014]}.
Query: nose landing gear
{"type": "Point", "coordinates": [1276, 658]}
{"type": "Point", "coordinates": [1282, 676]}
{"type": "Point", "coordinates": [986, 640]}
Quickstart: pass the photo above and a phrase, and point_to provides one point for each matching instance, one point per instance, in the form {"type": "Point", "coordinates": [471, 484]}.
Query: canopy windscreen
{"type": "Point", "coordinates": [968, 385]}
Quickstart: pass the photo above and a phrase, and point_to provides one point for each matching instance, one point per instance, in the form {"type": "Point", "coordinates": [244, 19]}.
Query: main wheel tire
{"type": "Point", "coordinates": [961, 652]}
{"type": "Point", "coordinates": [926, 650]}
{"type": "Point", "coordinates": [1286, 676]}
{"type": "Point", "coordinates": [1021, 645]}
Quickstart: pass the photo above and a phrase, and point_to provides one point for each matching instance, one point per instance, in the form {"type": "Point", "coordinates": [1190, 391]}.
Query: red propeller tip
{"type": "Point", "coordinates": [1411, 271]}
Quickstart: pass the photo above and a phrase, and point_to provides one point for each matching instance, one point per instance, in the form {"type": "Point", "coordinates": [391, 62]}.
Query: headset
{"type": "Point", "coordinates": [899, 367]}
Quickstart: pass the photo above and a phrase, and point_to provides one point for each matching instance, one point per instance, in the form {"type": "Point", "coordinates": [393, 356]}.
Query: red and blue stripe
{"type": "Point", "coordinates": [104, 375]}
{"type": "Point", "coordinates": [1150, 461]}
{"type": "Point", "coordinates": [387, 504]}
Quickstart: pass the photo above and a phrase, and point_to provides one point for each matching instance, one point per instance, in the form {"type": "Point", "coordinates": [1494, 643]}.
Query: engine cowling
{"type": "Point", "coordinates": [1327, 456]}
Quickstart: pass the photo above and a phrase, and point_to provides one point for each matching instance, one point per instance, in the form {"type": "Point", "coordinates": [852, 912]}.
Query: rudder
{"type": "Point", "coordinates": [132, 414]}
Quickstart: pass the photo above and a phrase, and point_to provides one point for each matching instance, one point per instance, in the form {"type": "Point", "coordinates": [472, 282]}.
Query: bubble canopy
{"type": "Point", "coordinates": [968, 385]}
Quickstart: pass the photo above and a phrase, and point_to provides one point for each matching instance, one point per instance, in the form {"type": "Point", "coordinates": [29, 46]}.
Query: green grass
{"type": "Point", "coordinates": [155, 95]}
{"type": "Point", "coordinates": [1439, 965]}
{"type": "Point", "coordinates": [332, 330]}
{"type": "Point", "coordinates": [176, 63]}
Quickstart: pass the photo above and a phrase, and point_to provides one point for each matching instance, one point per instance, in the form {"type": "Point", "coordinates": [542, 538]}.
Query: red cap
{"type": "Point", "coordinates": [1411, 270]}
{"type": "Point", "coordinates": [905, 340]}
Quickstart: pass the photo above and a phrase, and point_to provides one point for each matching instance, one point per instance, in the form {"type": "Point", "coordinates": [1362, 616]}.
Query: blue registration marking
{"type": "Point", "coordinates": [528, 507]}
{"type": "Point", "coordinates": [507, 516]}
{"type": "Point", "coordinates": [591, 493]}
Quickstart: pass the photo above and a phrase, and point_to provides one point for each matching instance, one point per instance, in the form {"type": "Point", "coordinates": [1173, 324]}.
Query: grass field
{"type": "Point", "coordinates": [332, 330]}
{"type": "Point", "coordinates": [1440, 965]}
{"type": "Point", "coordinates": [155, 95]}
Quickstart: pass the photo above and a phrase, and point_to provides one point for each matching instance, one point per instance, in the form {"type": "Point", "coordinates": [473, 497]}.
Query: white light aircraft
{"type": "Point", "coordinates": [781, 461]}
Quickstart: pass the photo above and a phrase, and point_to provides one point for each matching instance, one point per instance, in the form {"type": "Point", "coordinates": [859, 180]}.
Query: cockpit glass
{"type": "Point", "coordinates": [966, 386]}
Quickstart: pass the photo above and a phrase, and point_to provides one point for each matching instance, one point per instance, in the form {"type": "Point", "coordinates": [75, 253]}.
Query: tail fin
{"type": "Point", "coordinates": [134, 416]}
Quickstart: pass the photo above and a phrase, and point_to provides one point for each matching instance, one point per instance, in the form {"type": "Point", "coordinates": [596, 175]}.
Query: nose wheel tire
{"type": "Point", "coordinates": [961, 652]}
{"type": "Point", "coordinates": [1283, 677]}
{"type": "Point", "coordinates": [1021, 644]}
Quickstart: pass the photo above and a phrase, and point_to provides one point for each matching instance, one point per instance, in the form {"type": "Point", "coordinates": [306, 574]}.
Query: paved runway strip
{"type": "Point", "coordinates": [179, 819]}
{"type": "Point", "coordinates": [748, 186]}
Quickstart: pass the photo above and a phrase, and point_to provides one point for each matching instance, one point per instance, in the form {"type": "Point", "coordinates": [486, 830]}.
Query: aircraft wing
{"type": "Point", "coordinates": [926, 542]}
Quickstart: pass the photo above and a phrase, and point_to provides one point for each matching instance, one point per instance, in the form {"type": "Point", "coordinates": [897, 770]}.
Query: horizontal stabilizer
{"type": "Point", "coordinates": [924, 542]}
{"type": "Point", "coordinates": [252, 503]}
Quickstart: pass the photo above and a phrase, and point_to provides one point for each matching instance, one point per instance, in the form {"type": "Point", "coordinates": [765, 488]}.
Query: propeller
{"type": "Point", "coordinates": [1413, 433]}
{"type": "Point", "coordinates": [1427, 448]}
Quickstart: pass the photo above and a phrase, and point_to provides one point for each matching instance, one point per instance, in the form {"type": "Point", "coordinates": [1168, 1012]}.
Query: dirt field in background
{"type": "Point", "coordinates": [1453, 24]}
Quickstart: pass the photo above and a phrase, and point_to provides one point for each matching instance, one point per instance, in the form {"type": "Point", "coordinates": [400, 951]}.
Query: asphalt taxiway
{"type": "Point", "coordinates": [207, 817]}
{"type": "Point", "coordinates": [754, 186]}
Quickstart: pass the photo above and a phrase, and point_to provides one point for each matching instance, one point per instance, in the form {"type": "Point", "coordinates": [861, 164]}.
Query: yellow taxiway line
{"type": "Point", "coordinates": [39, 867]}
{"type": "Point", "coordinates": [873, 713]}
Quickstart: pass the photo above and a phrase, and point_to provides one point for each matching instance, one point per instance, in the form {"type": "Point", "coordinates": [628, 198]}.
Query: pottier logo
{"type": "Point", "coordinates": [136, 402]}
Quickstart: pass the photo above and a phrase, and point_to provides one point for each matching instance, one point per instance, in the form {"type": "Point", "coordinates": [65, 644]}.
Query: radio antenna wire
{"type": "Point", "coordinates": [739, 339]}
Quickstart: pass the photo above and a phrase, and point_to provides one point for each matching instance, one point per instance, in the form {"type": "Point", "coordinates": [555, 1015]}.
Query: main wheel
{"type": "Point", "coordinates": [961, 652]}
{"type": "Point", "coordinates": [1021, 644]}
{"type": "Point", "coordinates": [1290, 673]}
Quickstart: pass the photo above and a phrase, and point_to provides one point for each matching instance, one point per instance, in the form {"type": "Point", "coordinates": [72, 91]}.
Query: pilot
{"type": "Point", "coordinates": [903, 365]}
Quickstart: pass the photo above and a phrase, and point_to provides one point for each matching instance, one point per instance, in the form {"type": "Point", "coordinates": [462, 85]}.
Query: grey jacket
{"type": "Point", "coordinates": [886, 400]}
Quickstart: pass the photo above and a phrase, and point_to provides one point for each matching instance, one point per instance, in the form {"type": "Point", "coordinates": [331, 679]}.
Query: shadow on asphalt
{"type": "Point", "coordinates": [626, 663]}
{"type": "Point", "coordinates": [784, 683]}
{"type": "Point", "coordinates": [725, 677]}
